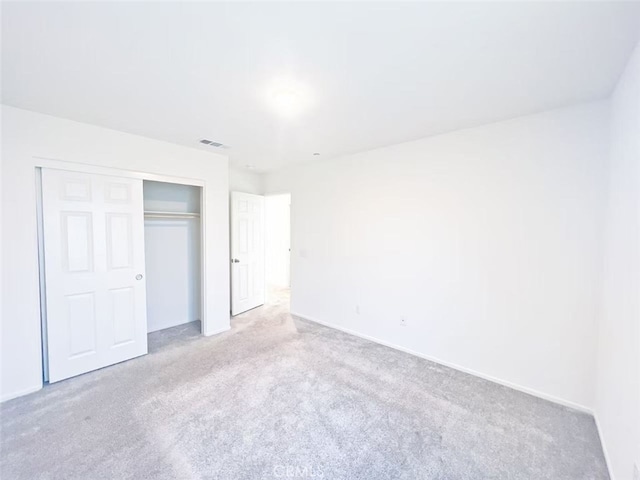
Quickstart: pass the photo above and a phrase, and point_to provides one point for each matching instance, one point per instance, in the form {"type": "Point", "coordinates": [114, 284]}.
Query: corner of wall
{"type": "Point", "coordinates": [245, 181]}
{"type": "Point", "coordinates": [617, 383]}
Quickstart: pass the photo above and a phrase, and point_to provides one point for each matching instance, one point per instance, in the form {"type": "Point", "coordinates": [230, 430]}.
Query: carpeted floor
{"type": "Point", "coordinates": [278, 397]}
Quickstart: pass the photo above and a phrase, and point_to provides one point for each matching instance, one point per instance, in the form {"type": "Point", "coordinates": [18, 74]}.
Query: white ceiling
{"type": "Point", "coordinates": [377, 73]}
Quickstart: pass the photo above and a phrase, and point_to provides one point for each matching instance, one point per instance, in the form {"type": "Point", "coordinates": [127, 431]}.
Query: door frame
{"type": "Point", "coordinates": [42, 162]}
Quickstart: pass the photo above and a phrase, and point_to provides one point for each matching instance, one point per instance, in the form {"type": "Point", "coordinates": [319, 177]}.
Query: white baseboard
{"type": "Point", "coordinates": [11, 396]}
{"type": "Point", "coordinates": [607, 458]}
{"type": "Point", "coordinates": [506, 383]}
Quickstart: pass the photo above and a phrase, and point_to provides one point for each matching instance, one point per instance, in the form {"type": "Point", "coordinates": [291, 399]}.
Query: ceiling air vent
{"type": "Point", "coordinates": [213, 144]}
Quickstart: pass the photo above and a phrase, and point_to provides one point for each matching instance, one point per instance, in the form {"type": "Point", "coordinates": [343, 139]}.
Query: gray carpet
{"type": "Point", "coordinates": [278, 397]}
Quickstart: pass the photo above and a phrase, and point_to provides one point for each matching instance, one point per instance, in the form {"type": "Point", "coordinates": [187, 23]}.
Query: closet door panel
{"type": "Point", "coordinates": [122, 313]}
{"type": "Point", "coordinates": [119, 241]}
{"type": "Point", "coordinates": [77, 238]}
{"type": "Point", "coordinates": [82, 324]}
{"type": "Point", "coordinates": [94, 260]}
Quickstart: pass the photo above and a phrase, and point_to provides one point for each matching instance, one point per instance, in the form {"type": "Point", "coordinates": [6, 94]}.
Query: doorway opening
{"type": "Point", "coordinates": [278, 246]}
{"type": "Point", "coordinates": [172, 244]}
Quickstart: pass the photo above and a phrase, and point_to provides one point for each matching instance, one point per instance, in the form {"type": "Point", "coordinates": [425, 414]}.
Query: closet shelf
{"type": "Point", "coordinates": [154, 214]}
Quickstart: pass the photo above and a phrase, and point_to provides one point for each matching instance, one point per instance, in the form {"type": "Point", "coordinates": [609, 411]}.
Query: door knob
{"type": "Point", "coordinates": [139, 276]}
{"type": "Point", "coordinates": [235, 260]}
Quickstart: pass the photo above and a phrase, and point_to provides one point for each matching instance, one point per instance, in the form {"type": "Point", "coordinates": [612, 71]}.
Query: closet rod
{"type": "Point", "coordinates": [171, 215]}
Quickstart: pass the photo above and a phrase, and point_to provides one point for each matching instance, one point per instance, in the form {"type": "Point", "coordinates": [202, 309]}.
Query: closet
{"type": "Point", "coordinates": [172, 254]}
{"type": "Point", "coordinates": [119, 258]}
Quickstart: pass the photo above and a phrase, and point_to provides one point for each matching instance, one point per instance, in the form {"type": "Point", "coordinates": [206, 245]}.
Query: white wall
{"type": "Point", "coordinates": [487, 241]}
{"type": "Point", "coordinates": [245, 181]}
{"type": "Point", "coordinates": [618, 396]}
{"type": "Point", "coordinates": [171, 197]}
{"type": "Point", "coordinates": [172, 255]}
{"type": "Point", "coordinates": [27, 138]}
{"type": "Point", "coordinates": [277, 239]}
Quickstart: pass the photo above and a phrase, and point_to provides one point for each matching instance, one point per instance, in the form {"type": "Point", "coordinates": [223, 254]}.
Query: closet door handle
{"type": "Point", "coordinates": [139, 276]}
{"type": "Point", "coordinates": [235, 260]}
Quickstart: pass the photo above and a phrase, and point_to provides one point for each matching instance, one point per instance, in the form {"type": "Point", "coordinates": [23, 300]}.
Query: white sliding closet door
{"type": "Point", "coordinates": [94, 266]}
{"type": "Point", "coordinates": [247, 251]}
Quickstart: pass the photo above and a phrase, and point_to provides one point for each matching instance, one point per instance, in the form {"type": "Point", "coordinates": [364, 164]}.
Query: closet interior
{"type": "Point", "coordinates": [173, 255]}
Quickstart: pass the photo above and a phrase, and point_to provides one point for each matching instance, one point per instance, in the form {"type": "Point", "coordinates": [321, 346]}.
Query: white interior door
{"type": "Point", "coordinates": [94, 264]}
{"type": "Point", "coordinates": [247, 252]}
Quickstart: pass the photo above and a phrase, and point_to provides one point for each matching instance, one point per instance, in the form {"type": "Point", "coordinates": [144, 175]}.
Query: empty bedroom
{"type": "Point", "coordinates": [303, 240]}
